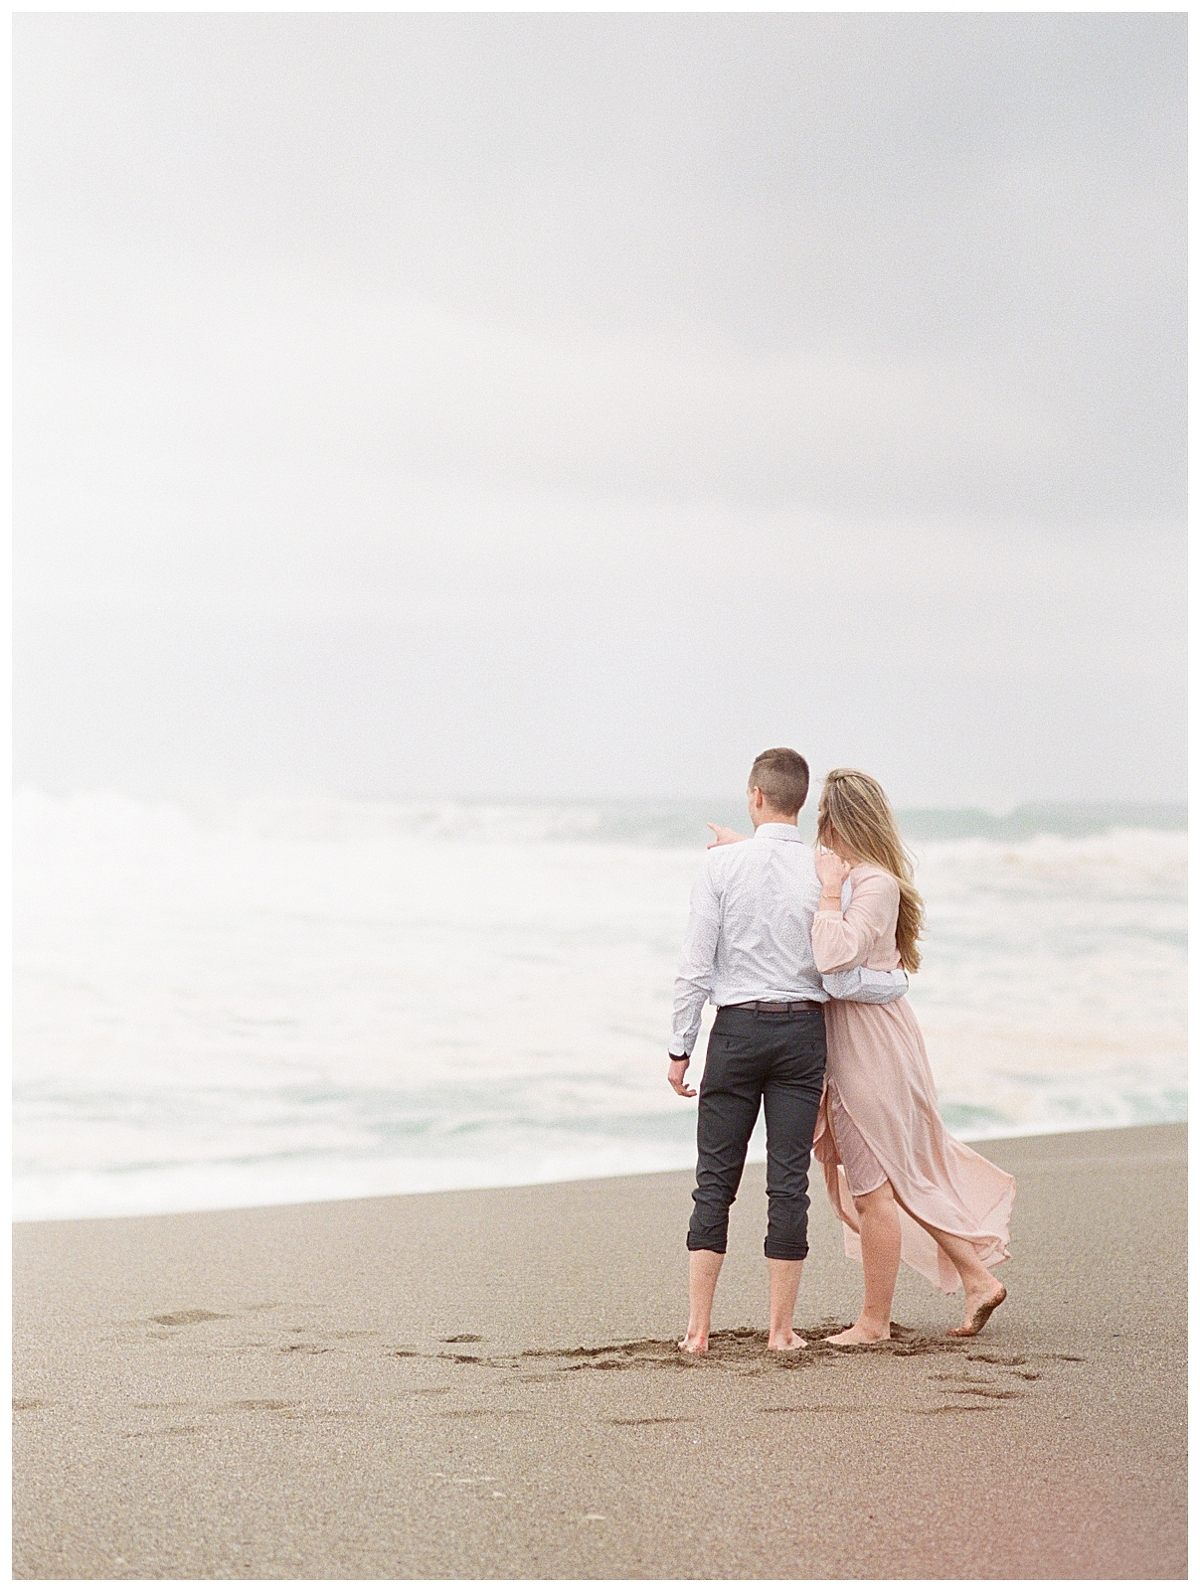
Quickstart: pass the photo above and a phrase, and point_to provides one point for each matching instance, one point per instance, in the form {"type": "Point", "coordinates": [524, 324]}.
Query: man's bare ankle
{"type": "Point", "coordinates": [785, 1338]}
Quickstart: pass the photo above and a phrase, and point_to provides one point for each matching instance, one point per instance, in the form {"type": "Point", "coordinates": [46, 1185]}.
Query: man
{"type": "Point", "coordinates": [748, 949]}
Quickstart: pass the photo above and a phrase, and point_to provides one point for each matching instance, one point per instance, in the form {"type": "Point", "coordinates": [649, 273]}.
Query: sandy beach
{"type": "Point", "coordinates": [484, 1385]}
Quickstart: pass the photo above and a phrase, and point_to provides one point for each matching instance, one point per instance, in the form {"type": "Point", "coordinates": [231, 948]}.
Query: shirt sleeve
{"type": "Point", "coordinates": [694, 984]}
{"type": "Point", "coordinates": [842, 940]}
{"type": "Point", "coordinates": [867, 985]}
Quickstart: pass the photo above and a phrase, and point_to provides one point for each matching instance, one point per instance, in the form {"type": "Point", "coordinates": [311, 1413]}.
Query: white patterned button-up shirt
{"type": "Point", "coordinates": [749, 933]}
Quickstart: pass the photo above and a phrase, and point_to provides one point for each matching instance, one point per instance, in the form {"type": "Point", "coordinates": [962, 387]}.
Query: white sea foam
{"type": "Point", "coordinates": [247, 1002]}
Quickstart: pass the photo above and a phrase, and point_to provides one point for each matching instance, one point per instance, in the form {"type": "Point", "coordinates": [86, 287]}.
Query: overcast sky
{"type": "Point", "coordinates": [573, 405]}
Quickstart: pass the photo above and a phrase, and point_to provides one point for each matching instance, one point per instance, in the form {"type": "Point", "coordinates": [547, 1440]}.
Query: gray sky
{"type": "Point", "coordinates": [575, 404]}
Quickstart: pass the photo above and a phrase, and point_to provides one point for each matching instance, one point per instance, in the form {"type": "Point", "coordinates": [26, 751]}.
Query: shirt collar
{"type": "Point", "coordinates": [778, 832]}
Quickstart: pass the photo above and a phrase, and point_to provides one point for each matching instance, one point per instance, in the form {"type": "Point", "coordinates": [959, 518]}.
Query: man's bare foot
{"type": "Point", "coordinates": [694, 1342]}
{"type": "Point", "coordinates": [789, 1340]}
{"type": "Point", "coordinates": [857, 1335]}
{"type": "Point", "coordinates": [978, 1311]}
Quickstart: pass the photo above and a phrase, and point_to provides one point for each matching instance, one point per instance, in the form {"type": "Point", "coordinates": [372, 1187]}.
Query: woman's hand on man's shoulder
{"type": "Point", "coordinates": [831, 869]}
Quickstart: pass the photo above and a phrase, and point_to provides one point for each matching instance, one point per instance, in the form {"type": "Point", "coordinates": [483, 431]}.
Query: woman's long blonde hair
{"type": "Point", "coordinates": [853, 804]}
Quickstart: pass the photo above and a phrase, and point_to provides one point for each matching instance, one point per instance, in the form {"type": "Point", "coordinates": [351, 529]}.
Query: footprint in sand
{"type": "Point", "coordinates": [971, 1390]}
{"type": "Point", "coordinates": [188, 1318]}
{"type": "Point", "coordinates": [463, 1337]}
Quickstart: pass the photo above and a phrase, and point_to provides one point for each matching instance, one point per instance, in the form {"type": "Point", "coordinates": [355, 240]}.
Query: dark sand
{"type": "Point", "coordinates": [482, 1384]}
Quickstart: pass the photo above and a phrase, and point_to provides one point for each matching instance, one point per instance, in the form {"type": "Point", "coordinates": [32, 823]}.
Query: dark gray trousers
{"type": "Point", "coordinates": [775, 1060]}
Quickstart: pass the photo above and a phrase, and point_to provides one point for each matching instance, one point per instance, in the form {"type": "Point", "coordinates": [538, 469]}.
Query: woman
{"type": "Point", "coordinates": [904, 1188]}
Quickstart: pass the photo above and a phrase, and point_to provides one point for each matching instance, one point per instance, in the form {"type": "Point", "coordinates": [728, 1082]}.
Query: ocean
{"type": "Point", "coordinates": [239, 1002]}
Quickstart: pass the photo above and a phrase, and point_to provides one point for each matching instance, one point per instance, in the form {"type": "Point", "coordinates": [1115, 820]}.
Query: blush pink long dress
{"type": "Point", "coordinates": [879, 1117]}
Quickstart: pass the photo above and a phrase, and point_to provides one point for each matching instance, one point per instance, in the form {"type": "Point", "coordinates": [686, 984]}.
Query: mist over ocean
{"type": "Point", "coordinates": [233, 1002]}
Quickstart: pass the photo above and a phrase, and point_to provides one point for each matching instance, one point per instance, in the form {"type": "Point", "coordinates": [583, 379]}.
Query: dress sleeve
{"type": "Point", "coordinates": [846, 939]}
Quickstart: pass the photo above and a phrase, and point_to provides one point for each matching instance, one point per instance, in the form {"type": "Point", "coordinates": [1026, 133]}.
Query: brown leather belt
{"type": "Point", "coordinates": [774, 1007]}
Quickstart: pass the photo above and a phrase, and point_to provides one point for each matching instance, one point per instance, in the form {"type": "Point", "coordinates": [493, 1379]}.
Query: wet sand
{"type": "Point", "coordinates": [484, 1385]}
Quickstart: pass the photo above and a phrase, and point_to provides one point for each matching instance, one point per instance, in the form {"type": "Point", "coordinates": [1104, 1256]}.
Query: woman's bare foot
{"type": "Point", "coordinates": [694, 1342]}
{"type": "Point", "coordinates": [858, 1334]}
{"type": "Point", "coordinates": [978, 1311]}
{"type": "Point", "coordinates": [788, 1340]}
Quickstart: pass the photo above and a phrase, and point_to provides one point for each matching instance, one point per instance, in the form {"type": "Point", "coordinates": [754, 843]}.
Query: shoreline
{"type": "Point", "coordinates": [482, 1384]}
{"type": "Point", "coordinates": [975, 1138]}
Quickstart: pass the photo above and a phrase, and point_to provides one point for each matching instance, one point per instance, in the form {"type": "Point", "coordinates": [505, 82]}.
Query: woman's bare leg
{"type": "Point", "coordinates": [785, 1284]}
{"type": "Point", "coordinates": [983, 1292]}
{"type": "Point", "coordinates": [879, 1230]}
{"type": "Point", "coordinates": [704, 1267]}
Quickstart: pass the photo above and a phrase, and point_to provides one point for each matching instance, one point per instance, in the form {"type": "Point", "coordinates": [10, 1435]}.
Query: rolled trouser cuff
{"type": "Point", "coordinates": [784, 1251]}
{"type": "Point", "coordinates": [700, 1242]}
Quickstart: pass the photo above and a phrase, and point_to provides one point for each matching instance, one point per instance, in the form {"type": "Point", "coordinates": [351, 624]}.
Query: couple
{"type": "Point", "coordinates": [806, 959]}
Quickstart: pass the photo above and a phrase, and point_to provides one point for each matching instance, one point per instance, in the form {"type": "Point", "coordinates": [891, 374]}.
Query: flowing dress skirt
{"type": "Point", "coordinates": [880, 1099]}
